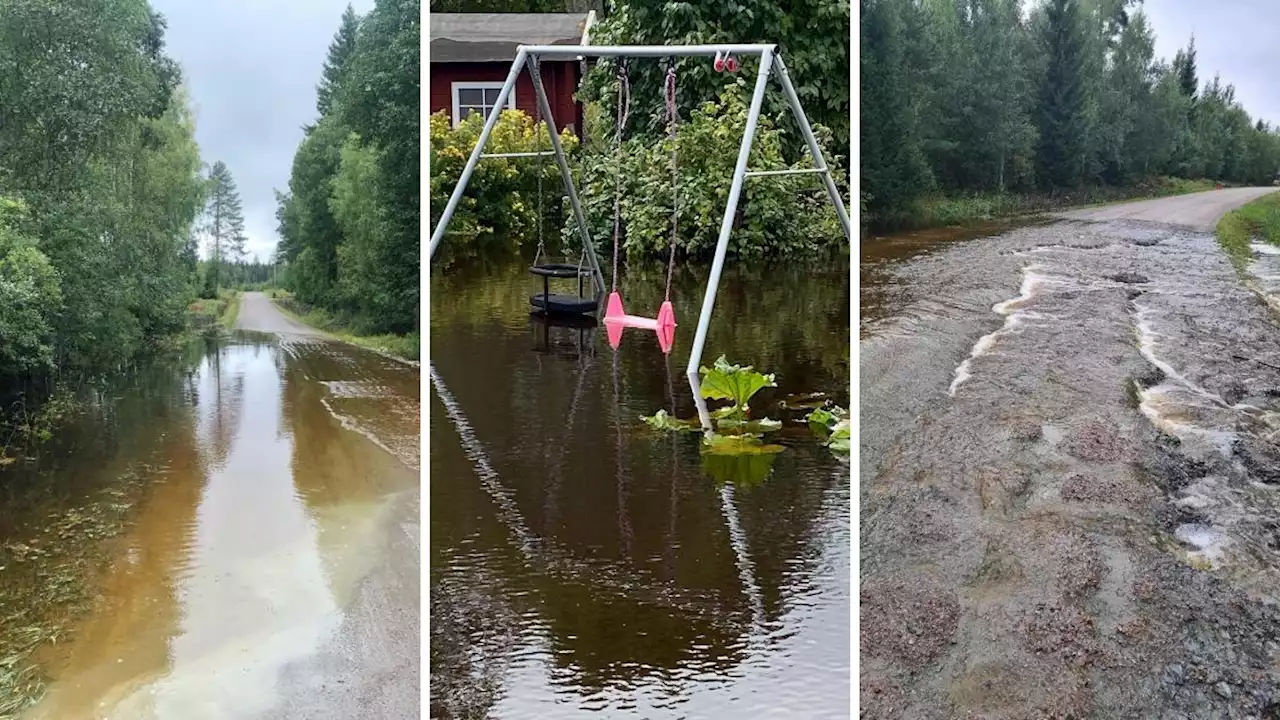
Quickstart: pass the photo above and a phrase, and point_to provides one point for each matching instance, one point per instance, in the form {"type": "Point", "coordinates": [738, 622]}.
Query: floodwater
{"type": "Point", "coordinates": [1068, 475]}
{"type": "Point", "coordinates": [252, 484]}
{"type": "Point", "coordinates": [584, 566]}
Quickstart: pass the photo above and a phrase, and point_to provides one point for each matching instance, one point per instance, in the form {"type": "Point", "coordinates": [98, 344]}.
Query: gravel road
{"type": "Point", "coordinates": [1070, 480]}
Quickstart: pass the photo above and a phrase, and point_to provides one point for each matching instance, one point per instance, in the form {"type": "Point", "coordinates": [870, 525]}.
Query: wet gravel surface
{"type": "Point", "coordinates": [1070, 479]}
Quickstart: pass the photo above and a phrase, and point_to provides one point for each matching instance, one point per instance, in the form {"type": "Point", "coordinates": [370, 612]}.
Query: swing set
{"type": "Point", "coordinates": [616, 318]}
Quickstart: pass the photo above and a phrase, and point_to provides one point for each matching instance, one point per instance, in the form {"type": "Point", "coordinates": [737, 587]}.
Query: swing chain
{"type": "Point", "coordinates": [624, 108]}
{"type": "Point", "coordinates": [537, 120]}
{"type": "Point", "coordinates": [673, 119]}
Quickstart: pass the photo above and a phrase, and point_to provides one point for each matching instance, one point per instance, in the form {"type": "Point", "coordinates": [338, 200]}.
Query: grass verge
{"type": "Point", "coordinates": [1257, 220]}
{"type": "Point", "coordinates": [944, 211]}
{"type": "Point", "coordinates": [405, 347]}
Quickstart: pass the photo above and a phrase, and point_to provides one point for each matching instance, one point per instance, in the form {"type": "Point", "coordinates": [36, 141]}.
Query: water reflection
{"type": "Point", "coordinates": [260, 514]}
{"type": "Point", "coordinates": [580, 563]}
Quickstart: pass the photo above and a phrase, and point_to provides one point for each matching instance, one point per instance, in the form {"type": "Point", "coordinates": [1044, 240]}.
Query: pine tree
{"type": "Point", "coordinates": [224, 220]}
{"type": "Point", "coordinates": [1063, 116]}
{"type": "Point", "coordinates": [335, 66]}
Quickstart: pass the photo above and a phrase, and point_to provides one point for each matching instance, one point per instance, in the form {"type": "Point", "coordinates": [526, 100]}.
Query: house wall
{"type": "Point", "coordinates": [559, 78]}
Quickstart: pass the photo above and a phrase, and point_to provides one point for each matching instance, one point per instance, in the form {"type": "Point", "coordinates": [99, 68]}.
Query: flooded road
{"type": "Point", "coordinates": [1070, 476]}
{"type": "Point", "coordinates": [266, 491]}
{"type": "Point", "coordinates": [583, 566]}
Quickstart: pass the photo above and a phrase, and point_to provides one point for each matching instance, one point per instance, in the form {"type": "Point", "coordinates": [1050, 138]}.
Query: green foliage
{"type": "Point", "coordinates": [500, 206]}
{"type": "Point", "coordinates": [977, 98]}
{"type": "Point", "coordinates": [779, 215]}
{"type": "Point", "coordinates": [30, 294]}
{"type": "Point", "coordinates": [735, 383]}
{"type": "Point", "coordinates": [813, 36]}
{"type": "Point", "coordinates": [832, 424]}
{"type": "Point", "coordinates": [349, 224]}
{"type": "Point", "coordinates": [663, 422]}
{"type": "Point", "coordinates": [99, 147]}
{"type": "Point", "coordinates": [893, 168]}
{"type": "Point", "coordinates": [738, 459]}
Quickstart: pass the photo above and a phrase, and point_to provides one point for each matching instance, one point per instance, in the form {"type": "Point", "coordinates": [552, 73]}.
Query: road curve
{"type": "Point", "coordinates": [258, 313]}
{"type": "Point", "coordinates": [1200, 211]}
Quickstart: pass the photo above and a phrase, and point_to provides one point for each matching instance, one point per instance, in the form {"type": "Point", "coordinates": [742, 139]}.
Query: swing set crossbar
{"type": "Point", "coordinates": [528, 56]}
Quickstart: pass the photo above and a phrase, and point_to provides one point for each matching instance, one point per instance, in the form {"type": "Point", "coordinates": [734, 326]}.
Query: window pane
{"type": "Point", "coordinates": [491, 96]}
{"type": "Point", "coordinates": [470, 96]}
{"type": "Point", "coordinates": [463, 112]}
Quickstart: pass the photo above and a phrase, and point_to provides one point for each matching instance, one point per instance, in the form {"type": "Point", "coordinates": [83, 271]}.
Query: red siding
{"type": "Point", "coordinates": [559, 78]}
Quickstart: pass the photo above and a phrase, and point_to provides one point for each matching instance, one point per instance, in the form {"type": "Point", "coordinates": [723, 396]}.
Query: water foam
{"type": "Point", "coordinates": [1014, 316]}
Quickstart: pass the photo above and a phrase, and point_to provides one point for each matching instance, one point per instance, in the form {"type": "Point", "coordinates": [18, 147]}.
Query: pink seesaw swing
{"type": "Point", "coordinates": [616, 318]}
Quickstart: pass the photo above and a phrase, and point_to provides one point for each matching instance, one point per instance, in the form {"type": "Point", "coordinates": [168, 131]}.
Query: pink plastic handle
{"type": "Point", "coordinates": [719, 63]}
{"type": "Point", "coordinates": [731, 64]}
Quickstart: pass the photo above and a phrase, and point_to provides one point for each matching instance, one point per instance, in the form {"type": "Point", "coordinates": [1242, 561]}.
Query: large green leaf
{"type": "Point", "coordinates": [750, 427]}
{"type": "Point", "coordinates": [840, 436]}
{"type": "Point", "coordinates": [733, 382]}
{"type": "Point", "coordinates": [664, 422]}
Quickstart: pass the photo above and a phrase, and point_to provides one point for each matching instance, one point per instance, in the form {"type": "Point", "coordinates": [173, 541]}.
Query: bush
{"type": "Point", "coordinates": [776, 215]}
{"type": "Point", "coordinates": [500, 206]}
{"type": "Point", "coordinates": [30, 292]}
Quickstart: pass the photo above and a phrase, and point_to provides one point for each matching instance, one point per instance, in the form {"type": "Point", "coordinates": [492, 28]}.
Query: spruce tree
{"type": "Point", "coordinates": [894, 172]}
{"type": "Point", "coordinates": [1063, 116]}
{"type": "Point", "coordinates": [224, 220]}
{"type": "Point", "coordinates": [1184, 63]}
{"type": "Point", "coordinates": [335, 65]}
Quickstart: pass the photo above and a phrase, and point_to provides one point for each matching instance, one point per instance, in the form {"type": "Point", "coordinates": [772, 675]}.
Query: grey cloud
{"type": "Point", "coordinates": [251, 69]}
{"type": "Point", "coordinates": [1236, 40]}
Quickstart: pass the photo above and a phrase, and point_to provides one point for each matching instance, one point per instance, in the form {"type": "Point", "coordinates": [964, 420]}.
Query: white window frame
{"type": "Point", "coordinates": [477, 85]}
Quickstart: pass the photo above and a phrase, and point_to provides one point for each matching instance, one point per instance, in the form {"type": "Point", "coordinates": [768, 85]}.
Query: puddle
{"type": "Point", "coordinates": [586, 567]}
{"type": "Point", "coordinates": [256, 515]}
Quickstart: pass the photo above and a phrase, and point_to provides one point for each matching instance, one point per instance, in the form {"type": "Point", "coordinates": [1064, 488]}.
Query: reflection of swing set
{"type": "Point", "coordinates": [616, 317]}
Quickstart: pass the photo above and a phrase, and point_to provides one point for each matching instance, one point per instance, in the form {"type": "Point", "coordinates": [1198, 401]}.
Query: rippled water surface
{"type": "Point", "coordinates": [582, 566]}
{"type": "Point", "coordinates": [250, 488]}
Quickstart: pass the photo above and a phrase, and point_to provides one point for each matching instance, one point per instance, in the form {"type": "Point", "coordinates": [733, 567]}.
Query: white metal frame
{"type": "Point", "coordinates": [457, 85]}
{"type": "Point", "coordinates": [530, 55]}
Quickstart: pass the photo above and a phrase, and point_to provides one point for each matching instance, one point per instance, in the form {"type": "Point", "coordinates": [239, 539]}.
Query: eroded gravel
{"type": "Point", "coordinates": [1088, 523]}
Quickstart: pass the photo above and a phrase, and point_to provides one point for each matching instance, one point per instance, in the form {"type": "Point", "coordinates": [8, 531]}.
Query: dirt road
{"type": "Point", "coordinates": [1069, 474]}
{"type": "Point", "coordinates": [258, 313]}
{"type": "Point", "coordinates": [1199, 211]}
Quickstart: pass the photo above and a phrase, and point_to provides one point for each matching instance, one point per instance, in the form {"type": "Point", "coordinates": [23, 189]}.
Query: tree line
{"type": "Point", "coordinates": [349, 222]}
{"type": "Point", "coordinates": [982, 95]}
{"type": "Point", "coordinates": [100, 184]}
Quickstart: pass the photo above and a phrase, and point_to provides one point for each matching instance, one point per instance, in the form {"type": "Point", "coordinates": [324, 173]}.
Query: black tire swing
{"type": "Point", "coordinates": [547, 302]}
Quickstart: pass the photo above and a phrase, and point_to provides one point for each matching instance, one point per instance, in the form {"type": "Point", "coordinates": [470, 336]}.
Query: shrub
{"type": "Point", "coordinates": [500, 205]}
{"type": "Point", "coordinates": [30, 292]}
{"type": "Point", "coordinates": [776, 215]}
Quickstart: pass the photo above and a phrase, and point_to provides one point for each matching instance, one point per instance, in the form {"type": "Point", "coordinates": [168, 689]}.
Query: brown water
{"type": "Point", "coordinates": [251, 483]}
{"type": "Point", "coordinates": [583, 566]}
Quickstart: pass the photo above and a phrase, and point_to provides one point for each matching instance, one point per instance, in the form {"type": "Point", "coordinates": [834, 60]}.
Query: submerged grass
{"type": "Point", "coordinates": [942, 211]}
{"type": "Point", "coordinates": [46, 575]}
{"type": "Point", "coordinates": [405, 347]}
{"type": "Point", "coordinates": [1258, 220]}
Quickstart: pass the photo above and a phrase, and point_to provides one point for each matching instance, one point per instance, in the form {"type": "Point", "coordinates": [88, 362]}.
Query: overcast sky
{"type": "Point", "coordinates": [1236, 39]}
{"type": "Point", "coordinates": [252, 68]}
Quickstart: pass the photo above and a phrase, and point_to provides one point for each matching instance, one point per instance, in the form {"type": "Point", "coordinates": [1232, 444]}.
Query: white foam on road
{"type": "Point", "coordinates": [1014, 317]}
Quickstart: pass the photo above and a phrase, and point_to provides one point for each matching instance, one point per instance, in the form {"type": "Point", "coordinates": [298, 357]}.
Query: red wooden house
{"type": "Point", "coordinates": [471, 54]}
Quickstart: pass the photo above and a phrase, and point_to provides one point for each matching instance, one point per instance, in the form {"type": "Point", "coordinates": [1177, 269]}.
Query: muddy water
{"type": "Point", "coordinates": [584, 567]}
{"type": "Point", "coordinates": [261, 477]}
{"type": "Point", "coordinates": [1068, 476]}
